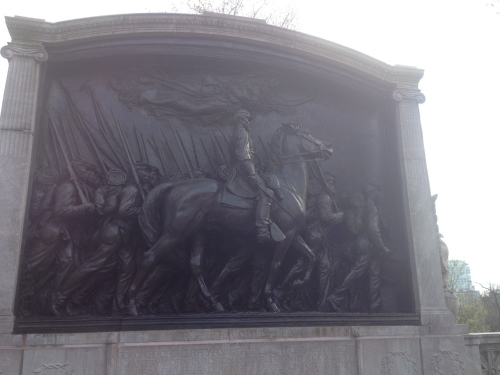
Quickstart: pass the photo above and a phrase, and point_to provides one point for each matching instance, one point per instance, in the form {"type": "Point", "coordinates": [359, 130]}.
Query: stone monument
{"type": "Point", "coordinates": [204, 194]}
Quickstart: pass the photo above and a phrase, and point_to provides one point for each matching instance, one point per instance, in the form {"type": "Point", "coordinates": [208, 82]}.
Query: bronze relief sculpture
{"type": "Point", "coordinates": [194, 210]}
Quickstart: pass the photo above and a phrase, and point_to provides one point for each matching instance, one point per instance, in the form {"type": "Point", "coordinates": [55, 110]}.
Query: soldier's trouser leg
{"type": "Point", "coordinates": [260, 267]}
{"type": "Point", "coordinates": [93, 282]}
{"type": "Point", "coordinates": [374, 280]}
{"type": "Point", "coordinates": [41, 257]}
{"type": "Point", "coordinates": [111, 241]}
{"type": "Point", "coordinates": [82, 273]}
{"type": "Point", "coordinates": [64, 262]}
{"type": "Point", "coordinates": [360, 266]}
{"type": "Point", "coordinates": [126, 270]}
{"type": "Point", "coordinates": [323, 273]}
{"type": "Point", "coordinates": [262, 220]}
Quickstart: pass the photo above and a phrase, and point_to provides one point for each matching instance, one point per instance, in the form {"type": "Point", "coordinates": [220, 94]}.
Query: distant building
{"type": "Point", "coordinates": [462, 283]}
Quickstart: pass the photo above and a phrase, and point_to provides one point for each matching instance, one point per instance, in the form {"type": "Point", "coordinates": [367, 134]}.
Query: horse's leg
{"type": "Point", "coordinates": [279, 255]}
{"type": "Point", "coordinates": [231, 268]}
{"type": "Point", "coordinates": [160, 249]}
{"type": "Point", "coordinates": [304, 248]}
{"type": "Point", "coordinates": [196, 259]}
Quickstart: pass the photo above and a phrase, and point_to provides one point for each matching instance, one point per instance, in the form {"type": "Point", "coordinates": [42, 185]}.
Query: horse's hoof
{"type": "Point", "coordinates": [131, 309]}
{"type": "Point", "coordinates": [217, 308]}
{"type": "Point", "coordinates": [271, 306]}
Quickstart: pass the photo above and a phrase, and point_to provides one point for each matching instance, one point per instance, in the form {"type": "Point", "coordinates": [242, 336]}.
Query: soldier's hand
{"type": "Point", "coordinates": [257, 180]}
{"type": "Point", "coordinates": [89, 207]}
{"type": "Point", "coordinates": [339, 216]}
{"type": "Point", "coordinates": [385, 250]}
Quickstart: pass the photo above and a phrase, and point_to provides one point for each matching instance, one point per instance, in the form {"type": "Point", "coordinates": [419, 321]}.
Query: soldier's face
{"type": "Point", "coordinates": [245, 121]}
{"type": "Point", "coordinates": [153, 177]}
{"type": "Point", "coordinates": [88, 175]}
{"type": "Point", "coordinates": [143, 176]}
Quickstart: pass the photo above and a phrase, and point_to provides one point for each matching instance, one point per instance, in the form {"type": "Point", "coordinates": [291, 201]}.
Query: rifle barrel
{"type": "Point", "coordinates": [83, 198]}
{"type": "Point", "coordinates": [173, 155]}
{"type": "Point", "coordinates": [129, 156]}
{"type": "Point", "coordinates": [181, 148]}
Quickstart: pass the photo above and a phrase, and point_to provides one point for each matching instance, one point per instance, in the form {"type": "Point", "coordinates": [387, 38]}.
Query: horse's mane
{"type": "Point", "coordinates": [277, 144]}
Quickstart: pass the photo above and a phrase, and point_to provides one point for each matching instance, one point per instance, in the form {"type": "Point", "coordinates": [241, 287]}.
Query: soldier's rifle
{"type": "Point", "coordinates": [323, 181]}
{"type": "Point", "coordinates": [218, 148]}
{"type": "Point", "coordinates": [195, 153]}
{"type": "Point", "coordinates": [80, 121]}
{"type": "Point", "coordinates": [158, 154]}
{"type": "Point", "coordinates": [208, 155]}
{"type": "Point", "coordinates": [181, 147]}
{"type": "Point", "coordinates": [173, 155]}
{"type": "Point", "coordinates": [129, 157]}
{"type": "Point", "coordinates": [71, 171]}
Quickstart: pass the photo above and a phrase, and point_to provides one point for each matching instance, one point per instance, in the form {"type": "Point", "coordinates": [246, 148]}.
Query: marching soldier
{"type": "Point", "coordinates": [364, 222]}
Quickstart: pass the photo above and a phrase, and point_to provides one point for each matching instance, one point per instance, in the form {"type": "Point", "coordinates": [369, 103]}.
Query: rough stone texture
{"type": "Point", "coordinates": [17, 125]}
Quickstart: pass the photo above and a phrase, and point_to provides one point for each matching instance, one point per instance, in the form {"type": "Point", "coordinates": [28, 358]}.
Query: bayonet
{"type": "Point", "coordinates": [208, 156]}
{"type": "Point", "coordinates": [223, 135]}
{"type": "Point", "coordinates": [158, 154]}
{"type": "Point", "coordinates": [216, 143]}
{"type": "Point", "coordinates": [145, 149]}
{"type": "Point", "coordinates": [79, 119]}
{"type": "Point", "coordinates": [138, 144]}
{"type": "Point", "coordinates": [195, 153]}
{"type": "Point", "coordinates": [264, 147]}
{"type": "Point", "coordinates": [173, 155]}
{"type": "Point", "coordinates": [181, 148]}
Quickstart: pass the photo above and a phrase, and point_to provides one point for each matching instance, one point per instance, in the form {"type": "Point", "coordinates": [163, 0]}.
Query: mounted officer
{"type": "Point", "coordinates": [245, 181]}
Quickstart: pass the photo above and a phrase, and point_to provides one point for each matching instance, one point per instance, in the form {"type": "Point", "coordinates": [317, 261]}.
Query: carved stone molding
{"type": "Point", "coordinates": [408, 94]}
{"type": "Point", "coordinates": [36, 52]}
{"type": "Point", "coordinates": [445, 361]}
{"type": "Point", "coordinates": [213, 25]}
{"type": "Point", "coordinates": [399, 363]}
{"type": "Point", "coordinates": [51, 368]}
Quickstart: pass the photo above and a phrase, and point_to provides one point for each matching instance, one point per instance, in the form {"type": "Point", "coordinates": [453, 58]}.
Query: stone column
{"type": "Point", "coordinates": [17, 125]}
{"type": "Point", "coordinates": [422, 227]}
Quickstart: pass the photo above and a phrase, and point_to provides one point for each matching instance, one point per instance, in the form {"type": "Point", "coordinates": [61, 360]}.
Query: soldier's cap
{"type": "Point", "coordinates": [47, 175]}
{"type": "Point", "coordinates": [330, 176]}
{"type": "Point", "coordinates": [371, 187]}
{"type": "Point", "coordinates": [242, 113]}
{"type": "Point", "coordinates": [145, 167]}
{"type": "Point", "coordinates": [116, 177]}
{"type": "Point", "coordinates": [81, 162]}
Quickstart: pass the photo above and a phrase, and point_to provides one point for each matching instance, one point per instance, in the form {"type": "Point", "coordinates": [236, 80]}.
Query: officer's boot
{"type": "Point", "coordinates": [263, 221]}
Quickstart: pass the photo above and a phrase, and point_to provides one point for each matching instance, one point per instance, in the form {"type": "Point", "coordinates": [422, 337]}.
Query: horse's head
{"type": "Point", "coordinates": [293, 144]}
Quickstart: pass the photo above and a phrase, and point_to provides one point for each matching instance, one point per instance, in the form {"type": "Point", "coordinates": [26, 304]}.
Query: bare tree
{"type": "Point", "coordinates": [283, 16]}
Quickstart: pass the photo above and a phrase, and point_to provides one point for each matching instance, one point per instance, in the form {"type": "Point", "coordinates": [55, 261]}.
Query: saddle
{"type": "Point", "coordinates": [239, 193]}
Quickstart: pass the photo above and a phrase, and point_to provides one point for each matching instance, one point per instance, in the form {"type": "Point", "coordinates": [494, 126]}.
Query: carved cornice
{"type": "Point", "coordinates": [36, 52]}
{"type": "Point", "coordinates": [408, 94]}
{"type": "Point", "coordinates": [234, 29]}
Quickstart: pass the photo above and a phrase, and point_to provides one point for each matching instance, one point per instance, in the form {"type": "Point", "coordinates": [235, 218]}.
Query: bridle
{"type": "Point", "coordinates": [313, 156]}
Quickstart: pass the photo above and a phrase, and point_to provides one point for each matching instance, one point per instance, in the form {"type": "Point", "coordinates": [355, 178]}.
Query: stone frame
{"type": "Point", "coordinates": [36, 43]}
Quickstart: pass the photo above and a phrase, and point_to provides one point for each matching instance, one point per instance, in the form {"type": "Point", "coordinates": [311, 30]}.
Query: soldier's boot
{"type": "Point", "coordinates": [263, 220]}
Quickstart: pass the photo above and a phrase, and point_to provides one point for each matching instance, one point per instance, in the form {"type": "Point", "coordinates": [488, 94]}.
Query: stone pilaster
{"type": "Point", "coordinates": [422, 225]}
{"type": "Point", "coordinates": [17, 125]}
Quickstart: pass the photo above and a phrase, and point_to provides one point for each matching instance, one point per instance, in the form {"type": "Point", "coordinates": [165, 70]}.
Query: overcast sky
{"type": "Point", "coordinates": [456, 42]}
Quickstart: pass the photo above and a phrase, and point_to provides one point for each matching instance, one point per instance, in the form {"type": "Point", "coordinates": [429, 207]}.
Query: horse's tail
{"type": "Point", "coordinates": [151, 214]}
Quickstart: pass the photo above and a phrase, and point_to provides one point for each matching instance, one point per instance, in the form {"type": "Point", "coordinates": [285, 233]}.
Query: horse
{"type": "Point", "coordinates": [173, 214]}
